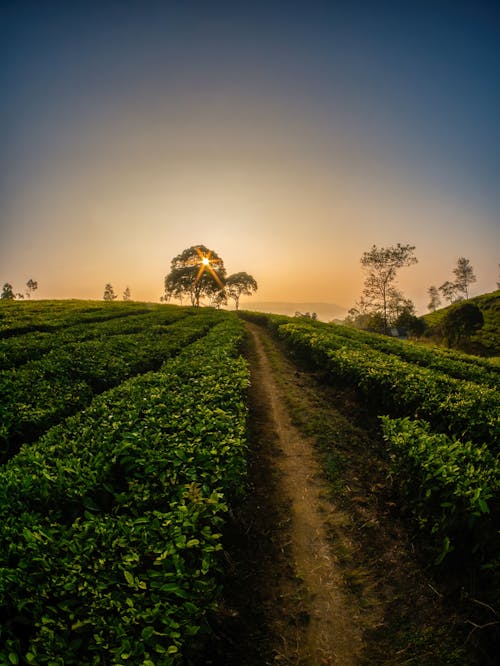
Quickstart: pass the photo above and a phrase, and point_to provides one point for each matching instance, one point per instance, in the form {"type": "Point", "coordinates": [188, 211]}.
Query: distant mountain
{"type": "Point", "coordinates": [325, 311]}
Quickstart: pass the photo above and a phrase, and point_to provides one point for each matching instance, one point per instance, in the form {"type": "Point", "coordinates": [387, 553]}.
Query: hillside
{"type": "Point", "coordinates": [486, 341]}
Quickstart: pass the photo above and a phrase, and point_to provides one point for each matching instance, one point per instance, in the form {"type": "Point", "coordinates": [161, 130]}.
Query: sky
{"type": "Point", "coordinates": [289, 137]}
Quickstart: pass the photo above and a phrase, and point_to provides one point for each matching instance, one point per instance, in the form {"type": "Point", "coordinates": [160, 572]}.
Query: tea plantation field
{"type": "Point", "coordinates": [123, 448]}
{"type": "Point", "coordinates": [122, 440]}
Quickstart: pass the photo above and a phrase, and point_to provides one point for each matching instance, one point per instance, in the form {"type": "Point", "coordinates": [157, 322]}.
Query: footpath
{"type": "Point", "coordinates": [321, 571]}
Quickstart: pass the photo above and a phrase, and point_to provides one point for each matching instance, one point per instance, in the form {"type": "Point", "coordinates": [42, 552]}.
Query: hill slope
{"type": "Point", "coordinates": [487, 340]}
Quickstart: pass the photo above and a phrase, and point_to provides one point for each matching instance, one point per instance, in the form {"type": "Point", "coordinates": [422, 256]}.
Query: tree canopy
{"type": "Point", "coordinates": [196, 272]}
{"type": "Point", "coordinates": [7, 292]}
{"type": "Point", "coordinates": [380, 297]}
{"type": "Point", "coordinates": [464, 275]}
{"type": "Point", "coordinates": [461, 322]}
{"type": "Point", "coordinates": [238, 284]}
{"type": "Point", "coordinates": [31, 286]}
{"type": "Point", "coordinates": [459, 288]}
{"type": "Point", "coordinates": [109, 294]}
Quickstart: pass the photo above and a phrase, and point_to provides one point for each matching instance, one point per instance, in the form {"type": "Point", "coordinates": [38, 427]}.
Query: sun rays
{"type": "Point", "coordinates": [206, 262]}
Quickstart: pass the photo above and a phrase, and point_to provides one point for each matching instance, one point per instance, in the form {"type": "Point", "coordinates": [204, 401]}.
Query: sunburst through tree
{"type": "Point", "coordinates": [197, 272]}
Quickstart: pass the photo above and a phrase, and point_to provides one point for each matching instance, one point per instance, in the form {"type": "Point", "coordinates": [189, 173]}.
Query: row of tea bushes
{"type": "Point", "coordinates": [464, 409]}
{"type": "Point", "coordinates": [39, 394]}
{"type": "Point", "coordinates": [110, 523]}
{"type": "Point", "coordinates": [22, 348]}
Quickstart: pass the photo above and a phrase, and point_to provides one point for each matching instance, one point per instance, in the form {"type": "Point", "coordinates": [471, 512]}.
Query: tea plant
{"type": "Point", "coordinates": [110, 523]}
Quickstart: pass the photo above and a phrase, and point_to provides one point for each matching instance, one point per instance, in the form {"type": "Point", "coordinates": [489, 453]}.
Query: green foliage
{"type": "Point", "coordinates": [447, 467]}
{"type": "Point", "coordinates": [110, 523]}
{"type": "Point", "coordinates": [485, 341]}
{"type": "Point", "coordinates": [40, 393]}
{"type": "Point", "coordinates": [381, 265]}
{"type": "Point", "coordinates": [238, 284]}
{"type": "Point", "coordinates": [451, 487]}
{"type": "Point", "coordinates": [387, 383]}
{"type": "Point", "coordinates": [461, 322]}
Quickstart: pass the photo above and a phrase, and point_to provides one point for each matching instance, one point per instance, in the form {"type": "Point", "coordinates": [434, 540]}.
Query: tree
{"type": "Point", "coordinates": [498, 283]}
{"type": "Point", "coordinates": [7, 292]}
{"type": "Point", "coordinates": [238, 284]}
{"type": "Point", "coordinates": [449, 291]}
{"type": "Point", "coordinates": [126, 294]}
{"type": "Point", "coordinates": [464, 275]}
{"type": "Point", "coordinates": [218, 299]}
{"type": "Point", "coordinates": [31, 286]}
{"type": "Point", "coordinates": [460, 322]}
{"type": "Point", "coordinates": [109, 294]}
{"type": "Point", "coordinates": [382, 265]}
{"type": "Point", "coordinates": [196, 272]}
{"type": "Point", "coordinates": [435, 301]}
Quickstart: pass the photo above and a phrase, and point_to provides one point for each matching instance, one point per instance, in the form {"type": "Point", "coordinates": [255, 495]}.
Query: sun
{"type": "Point", "coordinates": [205, 262]}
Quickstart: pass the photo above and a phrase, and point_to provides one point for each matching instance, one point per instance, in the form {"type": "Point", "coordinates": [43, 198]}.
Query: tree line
{"type": "Point", "coordinates": [109, 293]}
{"type": "Point", "coordinates": [7, 293]}
{"type": "Point", "coordinates": [383, 307]}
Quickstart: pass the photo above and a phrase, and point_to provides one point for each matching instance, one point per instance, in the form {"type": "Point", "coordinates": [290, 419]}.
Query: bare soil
{"type": "Point", "coordinates": [321, 570]}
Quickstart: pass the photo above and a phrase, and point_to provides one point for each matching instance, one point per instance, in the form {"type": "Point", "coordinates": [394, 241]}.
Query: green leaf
{"type": "Point", "coordinates": [174, 589]}
{"type": "Point", "coordinates": [13, 658]}
{"type": "Point", "coordinates": [147, 632]}
{"type": "Point", "coordinates": [483, 506]}
{"type": "Point", "coordinates": [129, 578]}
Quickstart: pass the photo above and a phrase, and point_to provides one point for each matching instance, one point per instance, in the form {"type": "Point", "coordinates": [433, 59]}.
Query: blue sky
{"type": "Point", "coordinates": [289, 137]}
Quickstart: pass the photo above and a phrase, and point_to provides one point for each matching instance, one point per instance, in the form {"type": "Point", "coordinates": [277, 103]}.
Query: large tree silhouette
{"type": "Point", "coordinates": [196, 272]}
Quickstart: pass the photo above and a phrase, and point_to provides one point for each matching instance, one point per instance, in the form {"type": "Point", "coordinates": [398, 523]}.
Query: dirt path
{"type": "Point", "coordinates": [331, 632]}
{"type": "Point", "coordinates": [320, 570]}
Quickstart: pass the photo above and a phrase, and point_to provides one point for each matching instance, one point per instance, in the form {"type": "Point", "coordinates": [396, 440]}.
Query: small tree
{"type": "Point", "coordinates": [460, 322]}
{"type": "Point", "coordinates": [464, 275]}
{"type": "Point", "coordinates": [126, 294]}
{"type": "Point", "coordinates": [109, 294]}
{"type": "Point", "coordinates": [31, 286]}
{"type": "Point", "coordinates": [382, 265]}
{"type": "Point", "coordinates": [238, 284]}
{"type": "Point", "coordinates": [449, 291]}
{"type": "Point", "coordinates": [7, 292]}
{"type": "Point", "coordinates": [435, 301]}
{"type": "Point", "coordinates": [218, 299]}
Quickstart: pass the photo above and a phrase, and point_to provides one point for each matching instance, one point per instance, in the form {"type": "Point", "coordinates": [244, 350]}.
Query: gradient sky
{"type": "Point", "coordinates": [288, 137]}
